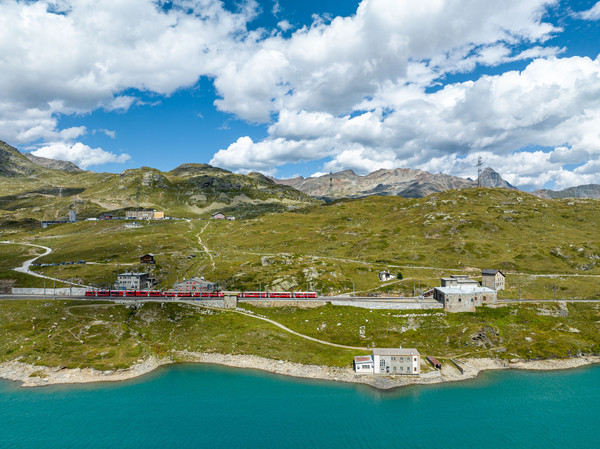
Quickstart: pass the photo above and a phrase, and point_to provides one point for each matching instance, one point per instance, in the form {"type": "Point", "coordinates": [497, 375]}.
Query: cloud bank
{"type": "Point", "coordinates": [366, 91]}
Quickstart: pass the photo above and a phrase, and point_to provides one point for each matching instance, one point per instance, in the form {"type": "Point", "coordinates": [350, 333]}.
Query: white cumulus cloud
{"type": "Point", "coordinates": [81, 155]}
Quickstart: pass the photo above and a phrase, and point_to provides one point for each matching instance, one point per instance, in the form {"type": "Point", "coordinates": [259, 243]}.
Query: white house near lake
{"type": "Point", "coordinates": [389, 361]}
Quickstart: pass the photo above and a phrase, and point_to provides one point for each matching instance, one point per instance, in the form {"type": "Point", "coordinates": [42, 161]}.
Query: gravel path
{"type": "Point", "coordinates": [287, 329]}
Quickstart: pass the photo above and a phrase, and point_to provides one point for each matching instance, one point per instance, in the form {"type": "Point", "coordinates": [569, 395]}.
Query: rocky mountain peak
{"type": "Point", "coordinates": [490, 178]}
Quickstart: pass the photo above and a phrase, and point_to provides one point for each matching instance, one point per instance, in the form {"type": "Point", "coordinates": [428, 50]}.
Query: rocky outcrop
{"type": "Point", "coordinates": [491, 178]}
{"type": "Point", "coordinates": [52, 164]}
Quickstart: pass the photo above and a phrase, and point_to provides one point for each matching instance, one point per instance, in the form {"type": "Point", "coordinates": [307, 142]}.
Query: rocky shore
{"type": "Point", "coordinates": [32, 376]}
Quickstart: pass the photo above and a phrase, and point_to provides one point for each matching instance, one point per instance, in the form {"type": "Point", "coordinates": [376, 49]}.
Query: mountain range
{"type": "Point", "coordinates": [36, 188]}
{"type": "Point", "coordinates": [405, 182]}
{"type": "Point", "coordinates": [33, 188]}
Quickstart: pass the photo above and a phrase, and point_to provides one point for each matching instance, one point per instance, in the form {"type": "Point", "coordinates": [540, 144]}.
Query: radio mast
{"type": "Point", "coordinates": [479, 165]}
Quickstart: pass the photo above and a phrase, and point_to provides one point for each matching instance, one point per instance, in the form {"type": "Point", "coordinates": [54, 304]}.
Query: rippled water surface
{"type": "Point", "coordinates": [207, 406]}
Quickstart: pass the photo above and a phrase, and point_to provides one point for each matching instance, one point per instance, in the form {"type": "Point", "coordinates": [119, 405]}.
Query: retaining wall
{"type": "Point", "coordinates": [49, 291]}
{"type": "Point", "coordinates": [300, 303]}
{"type": "Point", "coordinates": [389, 305]}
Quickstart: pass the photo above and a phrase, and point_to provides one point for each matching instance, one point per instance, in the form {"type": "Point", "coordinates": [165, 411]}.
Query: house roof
{"type": "Point", "coordinates": [196, 280]}
{"type": "Point", "coordinates": [132, 274]}
{"type": "Point", "coordinates": [149, 254]}
{"type": "Point", "coordinates": [491, 272]}
{"type": "Point", "coordinates": [363, 359]}
{"type": "Point", "coordinates": [395, 351]}
{"type": "Point", "coordinates": [464, 289]}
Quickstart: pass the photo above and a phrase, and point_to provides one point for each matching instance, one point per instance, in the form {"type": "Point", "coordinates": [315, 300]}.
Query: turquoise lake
{"type": "Point", "coordinates": [192, 406]}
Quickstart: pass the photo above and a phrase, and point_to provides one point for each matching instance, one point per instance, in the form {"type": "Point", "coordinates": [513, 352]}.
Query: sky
{"type": "Point", "coordinates": [292, 88]}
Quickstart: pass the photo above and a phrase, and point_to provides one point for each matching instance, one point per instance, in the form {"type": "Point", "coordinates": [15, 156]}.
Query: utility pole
{"type": "Point", "coordinates": [479, 165]}
{"type": "Point", "coordinates": [555, 291]}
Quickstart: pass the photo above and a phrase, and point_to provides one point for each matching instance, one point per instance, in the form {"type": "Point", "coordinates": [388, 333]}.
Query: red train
{"type": "Point", "coordinates": [173, 294]}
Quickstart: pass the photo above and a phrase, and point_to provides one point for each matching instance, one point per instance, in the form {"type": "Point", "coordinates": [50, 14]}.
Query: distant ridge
{"type": "Point", "coordinates": [405, 182]}
{"type": "Point", "coordinates": [584, 191]}
{"type": "Point", "coordinates": [52, 163]}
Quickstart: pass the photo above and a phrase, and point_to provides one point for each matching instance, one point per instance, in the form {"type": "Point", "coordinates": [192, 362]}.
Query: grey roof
{"type": "Point", "coordinates": [196, 280]}
{"type": "Point", "coordinates": [395, 351]}
{"type": "Point", "coordinates": [464, 289]}
{"type": "Point", "coordinates": [133, 274]}
{"type": "Point", "coordinates": [492, 272]}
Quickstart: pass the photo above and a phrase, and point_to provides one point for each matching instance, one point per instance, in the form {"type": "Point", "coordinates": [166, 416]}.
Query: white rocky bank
{"type": "Point", "coordinates": [31, 375]}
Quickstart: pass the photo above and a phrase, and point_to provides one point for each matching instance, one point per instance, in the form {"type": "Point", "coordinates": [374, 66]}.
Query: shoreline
{"type": "Point", "coordinates": [34, 376]}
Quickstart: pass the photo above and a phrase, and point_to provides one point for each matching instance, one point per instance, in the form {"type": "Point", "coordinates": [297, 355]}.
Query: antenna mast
{"type": "Point", "coordinates": [330, 179]}
{"type": "Point", "coordinates": [479, 165]}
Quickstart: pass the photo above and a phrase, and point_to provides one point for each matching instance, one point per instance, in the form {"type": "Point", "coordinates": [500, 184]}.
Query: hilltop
{"type": "Point", "coordinates": [33, 188]}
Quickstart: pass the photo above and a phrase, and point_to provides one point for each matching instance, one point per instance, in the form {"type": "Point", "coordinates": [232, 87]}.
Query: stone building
{"type": "Point", "coordinates": [464, 298]}
{"type": "Point", "coordinates": [133, 281]}
{"type": "Point", "coordinates": [195, 284]}
{"type": "Point", "coordinates": [456, 280]}
{"type": "Point", "coordinates": [493, 279]}
{"type": "Point", "coordinates": [389, 361]}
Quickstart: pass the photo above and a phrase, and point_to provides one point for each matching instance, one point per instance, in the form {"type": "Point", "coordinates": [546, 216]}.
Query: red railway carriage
{"type": "Point", "coordinates": [253, 295]}
{"type": "Point", "coordinates": [280, 294]}
{"type": "Point", "coordinates": [305, 295]}
{"type": "Point", "coordinates": [117, 293]}
{"type": "Point", "coordinates": [90, 293]}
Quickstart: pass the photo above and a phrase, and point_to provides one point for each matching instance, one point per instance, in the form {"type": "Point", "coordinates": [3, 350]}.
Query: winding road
{"type": "Point", "coordinates": [27, 264]}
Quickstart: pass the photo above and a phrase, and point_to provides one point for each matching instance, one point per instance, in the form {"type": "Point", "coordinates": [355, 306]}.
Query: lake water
{"type": "Point", "coordinates": [192, 406]}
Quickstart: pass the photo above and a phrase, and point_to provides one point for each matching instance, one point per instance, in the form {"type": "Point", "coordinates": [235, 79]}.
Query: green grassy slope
{"type": "Point", "coordinates": [107, 336]}
{"type": "Point", "coordinates": [31, 192]}
{"type": "Point", "coordinates": [330, 247]}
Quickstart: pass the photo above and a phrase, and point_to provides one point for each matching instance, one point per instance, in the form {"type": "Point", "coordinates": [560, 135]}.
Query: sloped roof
{"type": "Point", "coordinates": [491, 272]}
{"type": "Point", "coordinates": [395, 351]}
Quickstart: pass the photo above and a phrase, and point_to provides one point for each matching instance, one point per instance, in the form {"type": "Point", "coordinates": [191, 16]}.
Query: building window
{"type": "Point", "coordinates": [415, 368]}
{"type": "Point", "coordinates": [393, 359]}
{"type": "Point", "coordinates": [459, 300]}
{"type": "Point", "coordinates": [382, 362]}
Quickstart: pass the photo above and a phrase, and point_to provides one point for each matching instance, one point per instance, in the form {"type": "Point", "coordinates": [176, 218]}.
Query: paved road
{"type": "Point", "coordinates": [25, 268]}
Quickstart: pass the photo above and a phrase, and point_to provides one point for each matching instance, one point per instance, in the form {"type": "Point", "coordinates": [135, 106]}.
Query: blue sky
{"type": "Point", "coordinates": [301, 88]}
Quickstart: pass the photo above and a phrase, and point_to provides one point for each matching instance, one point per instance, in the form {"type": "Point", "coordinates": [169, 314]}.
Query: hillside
{"type": "Point", "coordinates": [13, 163]}
{"type": "Point", "coordinates": [404, 182]}
{"type": "Point", "coordinates": [342, 245]}
{"type": "Point", "coordinates": [38, 188]}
